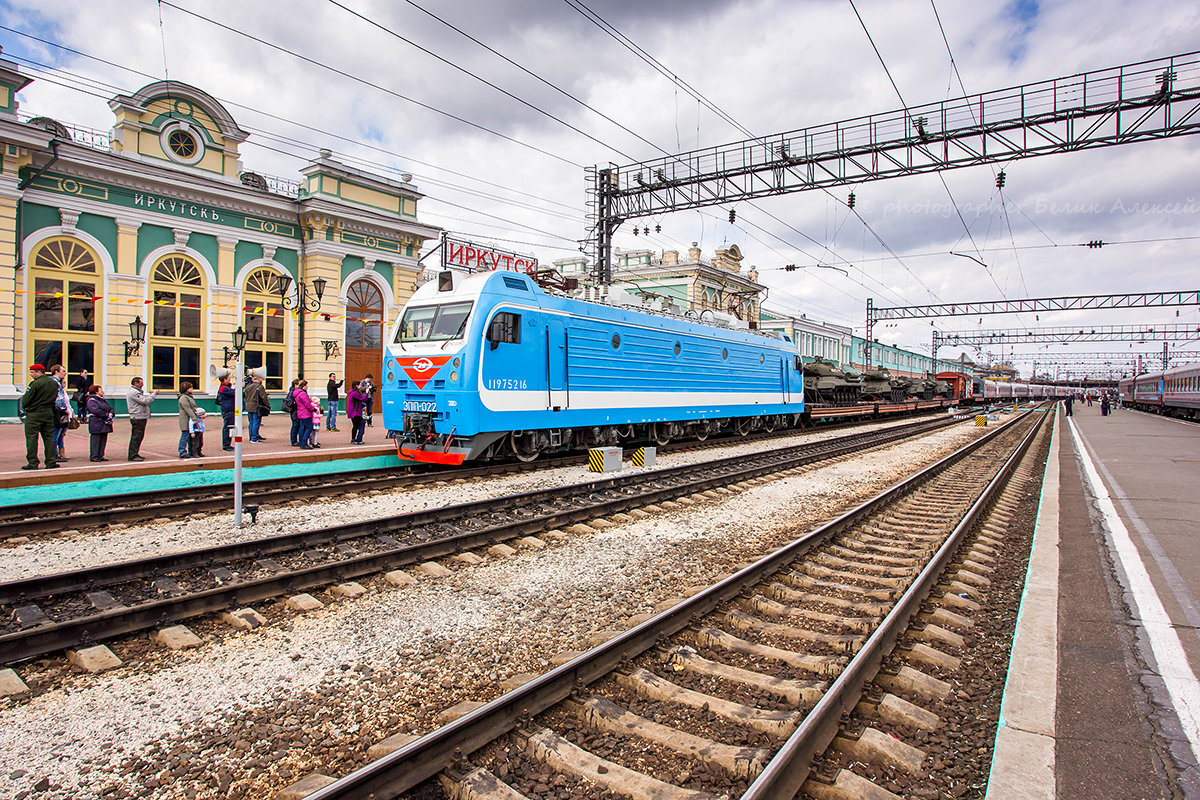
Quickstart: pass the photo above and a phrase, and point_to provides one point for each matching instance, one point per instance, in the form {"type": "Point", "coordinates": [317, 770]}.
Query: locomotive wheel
{"type": "Point", "coordinates": [523, 449]}
{"type": "Point", "coordinates": [742, 426]}
{"type": "Point", "coordinates": [770, 423]}
{"type": "Point", "coordinates": [701, 432]}
{"type": "Point", "coordinates": [660, 433]}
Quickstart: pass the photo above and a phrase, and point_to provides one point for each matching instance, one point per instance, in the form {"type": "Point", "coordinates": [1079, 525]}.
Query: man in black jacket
{"type": "Point", "coordinates": [82, 383]}
{"type": "Point", "coordinates": [331, 394]}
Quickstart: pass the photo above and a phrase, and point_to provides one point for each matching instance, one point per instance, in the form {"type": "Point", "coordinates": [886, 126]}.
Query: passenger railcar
{"type": "Point", "coordinates": [1175, 391]}
{"type": "Point", "coordinates": [488, 364]}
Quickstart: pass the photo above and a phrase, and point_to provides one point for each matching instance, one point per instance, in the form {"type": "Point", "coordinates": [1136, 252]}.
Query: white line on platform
{"type": "Point", "coordinates": [1173, 666]}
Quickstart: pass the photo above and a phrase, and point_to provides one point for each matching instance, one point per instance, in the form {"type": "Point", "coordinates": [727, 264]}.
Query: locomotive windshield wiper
{"type": "Point", "coordinates": [457, 333]}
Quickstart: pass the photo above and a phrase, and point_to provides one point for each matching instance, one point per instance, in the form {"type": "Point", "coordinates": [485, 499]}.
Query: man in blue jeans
{"type": "Point", "coordinates": [226, 400]}
{"type": "Point", "coordinates": [331, 394]}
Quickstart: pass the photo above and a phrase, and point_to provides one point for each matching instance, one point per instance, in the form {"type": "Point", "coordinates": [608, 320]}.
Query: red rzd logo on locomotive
{"type": "Point", "coordinates": [421, 369]}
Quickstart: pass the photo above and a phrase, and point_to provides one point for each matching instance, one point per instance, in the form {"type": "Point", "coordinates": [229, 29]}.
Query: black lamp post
{"type": "Point", "coordinates": [137, 333]}
{"type": "Point", "coordinates": [302, 302]}
{"type": "Point", "coordinates": [239, 344]}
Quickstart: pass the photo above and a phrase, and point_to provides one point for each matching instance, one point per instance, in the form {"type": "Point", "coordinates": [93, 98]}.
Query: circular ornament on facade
{"type": "Point", "coordinates": [70, 186]}
{"type": "Point", "coordinates": [182, 142]}
{"type": "Point", "coordinates": [372, 241]}
{"type": "Point", "coordinates": [268, 227]}
{"type": "Point", "coordinates": [183, 107]}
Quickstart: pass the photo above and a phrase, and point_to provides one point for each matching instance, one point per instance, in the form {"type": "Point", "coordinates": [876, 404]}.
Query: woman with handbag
{"type": "Point", "coordinates": [63, 413]}
{"type": "Point", "coordinates": [100, 421]}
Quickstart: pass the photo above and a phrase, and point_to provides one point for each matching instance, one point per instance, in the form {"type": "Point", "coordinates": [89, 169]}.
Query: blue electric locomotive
{"type": "Point", "coordinates": [487, 364]}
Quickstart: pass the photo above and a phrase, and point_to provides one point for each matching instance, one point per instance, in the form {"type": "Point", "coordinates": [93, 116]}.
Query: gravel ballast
{"type": "Point", "coordinates": [248, 713]}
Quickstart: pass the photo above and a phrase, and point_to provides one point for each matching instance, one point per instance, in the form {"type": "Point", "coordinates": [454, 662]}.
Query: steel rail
{"type": "Point", "coordinates": [405, 768]}
{"type": "Point", "coordinates": [34, 641]}
{"type": "Point", "coordinates": [787, 771]}
{"type": "Point", "coordinates": [107, 574]}
{"type": "Point", "coordinates": [55, 516]}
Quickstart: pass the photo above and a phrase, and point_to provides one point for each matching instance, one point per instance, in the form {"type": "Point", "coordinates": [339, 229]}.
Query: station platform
{"type": "Point", "coordinates": [1102, 698]}
{"type": "Point", "coordinates": [163, 469]}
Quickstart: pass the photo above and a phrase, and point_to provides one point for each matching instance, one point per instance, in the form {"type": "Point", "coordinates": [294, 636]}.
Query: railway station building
{"type": "Point", "coordinates": [158, 223]}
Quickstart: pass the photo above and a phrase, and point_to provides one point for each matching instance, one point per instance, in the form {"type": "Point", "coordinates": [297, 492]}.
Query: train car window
{"type": "Point", "coordinates": [505, 328]}
{"type": "Point", "coordinates": [434, 323]}
{"type": "Point", "coordinates": [724, 353]}
{"type": "Point", "coordinates": [798, 365]}
{"type": "Point", "coordinates": [677, 348]}
{"type": "Point", "coordinates": [616, 341]}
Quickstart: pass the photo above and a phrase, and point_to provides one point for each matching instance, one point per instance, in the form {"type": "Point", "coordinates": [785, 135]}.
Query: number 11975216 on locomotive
{"type": "Point", "coordinates": [489, 365]}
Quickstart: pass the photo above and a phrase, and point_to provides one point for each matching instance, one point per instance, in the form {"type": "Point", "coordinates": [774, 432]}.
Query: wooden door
{"type": "Point", "coordinates": [364, 332]}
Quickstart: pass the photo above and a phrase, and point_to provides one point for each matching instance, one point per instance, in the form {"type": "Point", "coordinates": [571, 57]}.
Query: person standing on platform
{"type": "Point", "coordinates": [38, 405]}
{"type": "Point", "coordinates": [138, 403]}
{"type": "Point", "coordinates": [289, 407]}
{"type": "Point", "coordinates": [1104, 405]}
{"type": "Point", "coordinates": [257, 405]}
{"type": "Point", "coordinates": [82, 384]}
{"type": "Point", "coordinates": [187, 415]}
{"type": "Point", "coordinates": [367, 387]}
{"type": "Point", "coordinates": [1067, 403]}
{"type": "Point", "coordinates": [355, 403]}
{"type": "Point", "coordinates": [304, 412]}
{"type": "Point", "coordinates": [331, 394]}
{"type": "Point", "coordinates": [226, 401]}
{"type": "Point", "coordinates": [100, 421]}
{"type": "Point", "coordinates": [63, 414]}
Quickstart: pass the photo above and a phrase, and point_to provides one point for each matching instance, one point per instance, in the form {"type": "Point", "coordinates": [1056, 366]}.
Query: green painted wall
{"type": "Point", "coordinates": [206, 245]}
{"type": "Point", "coordinates": [34, 217]}
{"type": "Point", "coordinates": [150, 238]}
{"type": "Point", "coordinates": [385, 271]}
{"type": "Point", "coordinates": [103, 228]}
{"type": "Point", "coordinates": [350, 264]}
{"type": "Point", "coordinates": [244, 253]}
{"type": "Point", "coordinates": [289, 260]}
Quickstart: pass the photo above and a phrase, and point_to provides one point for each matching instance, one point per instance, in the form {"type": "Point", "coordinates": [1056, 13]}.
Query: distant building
{"type": "Point", "coordinates": [813, 338]}
{"type": "Point", "coordinates": [158, 219]}
{"type": "Point", "coordinates": [693, 284]}
{"type": "Point", "coordinates": [898, 361]}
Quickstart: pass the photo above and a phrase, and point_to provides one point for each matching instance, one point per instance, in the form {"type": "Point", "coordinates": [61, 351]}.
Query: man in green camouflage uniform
{"type": "Point", "coordinates": [38, 403]}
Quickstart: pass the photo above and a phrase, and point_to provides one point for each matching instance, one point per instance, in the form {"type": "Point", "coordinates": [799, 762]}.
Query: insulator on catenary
{"type": "Point", "coordinates": [1000, 178]}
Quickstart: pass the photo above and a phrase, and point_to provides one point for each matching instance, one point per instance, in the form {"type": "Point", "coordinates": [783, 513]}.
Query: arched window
{"type": "Point", "coordinates": [364, 330]}
{"type": "Point", "coordinates": [64, 325]}
{"type": "Point", "coordinates": [177, 328]}
{"type": "Point", "coordinates": [265, 322]}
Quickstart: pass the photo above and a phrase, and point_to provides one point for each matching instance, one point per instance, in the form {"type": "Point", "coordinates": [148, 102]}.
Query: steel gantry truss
{"type": "Point", "coordinates": [1153, 99]}
{"type": "Point", "coordinates": [1037, 304]}
{"type": "Point", "coordinates": [1174, 332]}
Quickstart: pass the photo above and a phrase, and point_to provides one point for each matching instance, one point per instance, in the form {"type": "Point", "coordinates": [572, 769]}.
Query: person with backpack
{"type": "Point", "coordinates": [289, 407]}
{"type": "Point", "coordinates": [227, 402]}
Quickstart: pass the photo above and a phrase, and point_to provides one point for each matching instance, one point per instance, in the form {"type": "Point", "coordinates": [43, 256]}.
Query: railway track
{"type": "Point", "coordinates": [81, 513]}
{"type": "Point", "coordinates": [734, 691]}
{"type": "Point", "coordinates": [48, 613]}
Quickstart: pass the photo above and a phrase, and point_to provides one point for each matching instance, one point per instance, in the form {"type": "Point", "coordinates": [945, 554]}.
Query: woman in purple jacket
{"type": "Point", "coordinates": [305, 409]}
{"type": "Point", "coordinates": [100, 421]}
{"type": "Point", "coordinates": [356, 401]}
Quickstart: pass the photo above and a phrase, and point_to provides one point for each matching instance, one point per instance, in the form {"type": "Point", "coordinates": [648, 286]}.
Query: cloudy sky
{"type": "Point", "coordinates": [496, 108]}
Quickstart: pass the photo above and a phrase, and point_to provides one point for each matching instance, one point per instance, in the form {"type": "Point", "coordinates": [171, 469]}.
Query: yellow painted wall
{"type": "Point", "coordinates": [370, 197]}
{"type": "Point", "coordinates": [11, 303]}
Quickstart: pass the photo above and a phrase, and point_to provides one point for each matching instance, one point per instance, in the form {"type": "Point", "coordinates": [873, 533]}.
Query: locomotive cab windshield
{"type": "Point", "coordinates": [437, 323]}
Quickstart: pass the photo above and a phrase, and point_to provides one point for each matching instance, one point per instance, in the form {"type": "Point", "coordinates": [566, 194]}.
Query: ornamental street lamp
{"type": "Point", "coordinates": [137, 333]}
{"type": "Point", "coordinates": [239, 344]}
{"type": "Point", "coordinates": [302, 300]}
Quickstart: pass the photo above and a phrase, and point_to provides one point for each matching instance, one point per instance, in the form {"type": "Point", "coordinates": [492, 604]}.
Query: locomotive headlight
{"type": "Point", "coordinates": [457, 362]}
{"type": "Point", "coordinates": [391, 377]}
{"type": "Point", "coordinates": [391, 364]}
{"type": "Point", "coordinates": [454, 377]}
